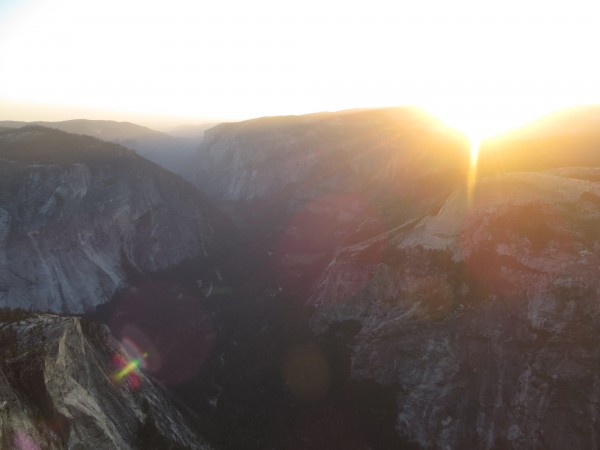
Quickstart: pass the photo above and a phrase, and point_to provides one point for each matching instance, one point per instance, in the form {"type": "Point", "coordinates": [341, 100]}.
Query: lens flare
{"type": "Point", "coordinates": [134, 364]}
{"type": "Point", "coordinates": [137, 345]}
{"type": "Point", "coordinates": [307, 374]}
{"type": "Point", "coordinates": [162, 331]}
{"type": "Point", "coordinates": [126, 372]}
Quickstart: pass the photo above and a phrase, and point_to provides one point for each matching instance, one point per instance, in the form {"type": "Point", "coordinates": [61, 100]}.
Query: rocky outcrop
{"type": "Point", "coordinates": [77, 215]}
{"type": "Point", "coordinates": [62, 386]}
{"type": "Point", "coordinates": [483, 318]}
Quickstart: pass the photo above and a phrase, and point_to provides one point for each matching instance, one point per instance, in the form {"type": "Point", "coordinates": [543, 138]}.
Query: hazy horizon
{"type": "Point", "coordinates": [38, 112]}
{"type": "Point", "coordinates": [481, 67]}
{"type": "Point", "coordinates": [178, 125]}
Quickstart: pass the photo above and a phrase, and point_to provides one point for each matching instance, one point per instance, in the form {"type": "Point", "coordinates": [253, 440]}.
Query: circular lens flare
{"type": "Point", "coordinates": [126, 372]}
{"type": "Point", "coordinates": [163, 331]}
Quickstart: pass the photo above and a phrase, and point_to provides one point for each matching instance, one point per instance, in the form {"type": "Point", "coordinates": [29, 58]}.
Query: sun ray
{"type": "Point", "coordinates": [472, 175]}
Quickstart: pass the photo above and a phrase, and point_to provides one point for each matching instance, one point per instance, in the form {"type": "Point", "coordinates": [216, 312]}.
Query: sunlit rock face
{"type": "Point", "coordinates": [295, 159]}
{"type": "Point", "coordinates": [68, 384]}
{"type": "Point", "coordinates": [76, 214]}
{"type": "Point", "coordinates": [484, 318]}
{"type": "Point", "coordinates": [567, 138]}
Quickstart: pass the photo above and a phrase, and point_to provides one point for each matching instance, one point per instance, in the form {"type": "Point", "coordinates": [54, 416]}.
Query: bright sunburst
{"type": "Point", "coordinates": [481, 66]}
{"type": "Point", "coordinates": [485, 118]}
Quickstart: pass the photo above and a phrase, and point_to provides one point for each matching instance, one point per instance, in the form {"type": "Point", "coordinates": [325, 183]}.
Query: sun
{"type": "Point", "coordinates": [482, 114]}
{"type": "Point", "coordinates": [479, 120]}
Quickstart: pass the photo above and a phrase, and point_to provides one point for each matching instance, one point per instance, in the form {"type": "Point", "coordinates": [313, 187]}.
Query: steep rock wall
{"type": "Point", "coordinates": [483, 318]}
{"type": "Point", "coordinates": [295, 159]}
{"type": "Point", "coordinates": [76, 214]}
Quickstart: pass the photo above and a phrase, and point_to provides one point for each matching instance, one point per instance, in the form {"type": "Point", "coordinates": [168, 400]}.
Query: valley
{"type": "Point", "coordinates": [324, 284]}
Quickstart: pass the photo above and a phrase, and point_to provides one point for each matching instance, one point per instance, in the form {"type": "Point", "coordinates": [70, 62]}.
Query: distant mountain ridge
{"type": "Point", "coordinates": [175, 154]}
{"type": "Point", "coordinates": [192, 131]}
{"type": "Point", "coordinates": [103, 129]}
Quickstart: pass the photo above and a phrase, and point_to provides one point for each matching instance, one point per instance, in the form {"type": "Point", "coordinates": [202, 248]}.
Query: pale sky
{"type": "Point", "coordinates": [481, 65]}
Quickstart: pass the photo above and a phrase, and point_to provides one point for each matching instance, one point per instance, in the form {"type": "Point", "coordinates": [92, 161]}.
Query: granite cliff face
{"type": "Point", "coordinates": [295, 159]}
{"type": "Point", "coordinates": [483, 318]}
{"type": "Point", "coordinates": [62, 387]}
{"type": "Point", "coordinates": [78, 214]}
